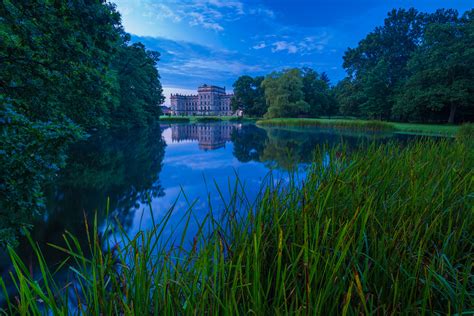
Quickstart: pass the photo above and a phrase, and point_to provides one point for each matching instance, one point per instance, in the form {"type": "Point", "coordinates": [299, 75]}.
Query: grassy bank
{"type": "Point", "coordinates": [195, 119]}
{"type": "Point", "coordinates": [384, 230]}
{"type": "Point", "coordinates": [427, 129]}
{"type": "Point", "coordinates": [174, 119]}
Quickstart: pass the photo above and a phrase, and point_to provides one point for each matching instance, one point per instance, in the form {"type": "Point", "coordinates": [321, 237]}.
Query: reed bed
{"type": "Point", "coordinates": [205, 119]}
{"type": "Point", "coordinates": [383, 230]}
{"type": "Point", "coordinates": [174, 119]}
{"type": "Point", "coordinates": [332, 123]}
{"type": "Point", "coordinates": [466, 133]}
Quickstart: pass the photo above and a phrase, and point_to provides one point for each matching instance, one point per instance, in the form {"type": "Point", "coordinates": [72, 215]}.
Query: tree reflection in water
{"type": "Point", "coordinates": [121, 166]}
{"type": "Point", "coordinates": [124, 168]}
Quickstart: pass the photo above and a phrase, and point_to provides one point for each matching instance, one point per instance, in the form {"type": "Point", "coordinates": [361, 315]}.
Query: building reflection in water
{"type": "Point", "coordinates": [209, 136]}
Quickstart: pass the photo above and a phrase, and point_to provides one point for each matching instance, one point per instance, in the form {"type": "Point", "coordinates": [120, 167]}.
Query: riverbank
{"type": "Point", "coordinates": [204, 119]}
{"type": "Point", "coordinates": [409, 128]}
{"type": "Point", "coordinates": [384, 229]}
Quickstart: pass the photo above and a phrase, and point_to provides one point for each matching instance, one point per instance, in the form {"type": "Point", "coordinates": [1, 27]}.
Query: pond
{"type": "Point", "coordinates": [173, 164]}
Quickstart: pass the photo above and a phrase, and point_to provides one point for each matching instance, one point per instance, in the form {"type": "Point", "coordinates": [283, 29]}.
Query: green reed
{"type": "Point", "coordinates": [206, 119]}
{"type": "Point", "coordinates": [174, 119]}
{"type": "Point", "coordinates": [332, 123]}
{"type": "Point", "coordinates": [382, 230]}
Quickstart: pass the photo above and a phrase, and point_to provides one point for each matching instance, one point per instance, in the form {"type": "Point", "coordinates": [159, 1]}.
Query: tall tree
{"type": "Point", "coordinates": [249, 96]}
{"type": "Point", "coordinates": [348, 97]}
{"type": "Point", "coordinates": [441, 81]}
{"type": "Point", "coordinates": [141, 92]}
{"type": "Point", "coordinates": [59, 75]}
{"type": "Point", "coordinates": [55, 58]}
{"type": "Point", "coordinates": [316, 91]}
{"type": "Point", "coordinates": [284, 94]}
{"type": "Point", "coordinates": [379, 61]}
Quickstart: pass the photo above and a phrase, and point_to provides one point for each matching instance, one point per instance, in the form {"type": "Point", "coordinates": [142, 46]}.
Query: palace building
{"type": "Point", "coordinates": [210, 100]}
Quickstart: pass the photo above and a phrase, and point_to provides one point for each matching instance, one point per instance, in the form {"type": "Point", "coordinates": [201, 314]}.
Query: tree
{"type": "Point", "coordinates": [31, 155]}
{"type": "Point", "coordinates": [249, 96]}
{"type": "Point", "coordinates": [379, 62]}
{"type": "Point", "coordinates": [66, 67]}
{"type": "Point", "coordinates": [317, 93]}
{"type": "Point", "coordinates": [284, 94]}
{"type": "Point", "coordinates": [441, 80]}
{"type": "Point", "coordinates": [347, 97]}
{"type": "Point", "coordinates": [55, 59]}
{"type": "Point", "coordinates": [141, 92]}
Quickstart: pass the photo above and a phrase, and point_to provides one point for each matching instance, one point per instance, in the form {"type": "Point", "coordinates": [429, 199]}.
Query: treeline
{"type": "Point", "coordinates": [415, 67]}
{"type": "Point", "coordinates": [73, 60]}
{"type": "Point", "coordinates": [288, 93]}
{"type": "Point", "coordinates": [66, 67]}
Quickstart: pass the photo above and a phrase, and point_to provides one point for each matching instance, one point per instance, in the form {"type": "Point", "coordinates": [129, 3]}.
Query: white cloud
{"type": "Point", "coordinates": [262, 11]}
{"type": "Point", "coordinates": [259, 46]}
{"type": "Point", "coordinates": [237, 5]}
{"type": "Point", "coordinates": [209, 14]}
{"type": "Point", "coordinates": [284, 46]}
{"type": "Point", "coordinates": [305, 45]}
{"type": "Point", "coordinates": [200, 19]}
{"type": "Point", "coordinates": [162, 11]}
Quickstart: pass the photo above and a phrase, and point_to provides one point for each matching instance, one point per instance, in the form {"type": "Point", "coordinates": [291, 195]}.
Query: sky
{"type": "Point", "coordinates": [216, 41]}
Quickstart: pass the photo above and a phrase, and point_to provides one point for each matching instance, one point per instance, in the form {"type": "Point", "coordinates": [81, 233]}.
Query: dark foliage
{"type": "Point", "coordinates": [66, 67]}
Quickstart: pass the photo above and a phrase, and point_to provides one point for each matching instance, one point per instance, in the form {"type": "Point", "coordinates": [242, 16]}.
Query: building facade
{"type": "Point", "coordinates": [210, 100]}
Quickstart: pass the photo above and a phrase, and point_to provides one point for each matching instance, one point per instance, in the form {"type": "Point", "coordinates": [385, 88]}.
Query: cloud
{"type": "Point", "coordinates": [262, 11]}
{"type": "Point", "coordinates": [259, 46]}
{"type": "Point", "coordinates": [200, 19]}
{"type": "Point", "coordinates": [162, 12]}
{"type": "Point", "coordinates": [301, 44]}
{"type": "Point", "coordinates": [208, 14]}
{"type": "Point", "coordinates": [284, 46]}
{"type": "Point", "coordinates": [237, 5]}
{"type": "Point", "coordinates": [185, 65]}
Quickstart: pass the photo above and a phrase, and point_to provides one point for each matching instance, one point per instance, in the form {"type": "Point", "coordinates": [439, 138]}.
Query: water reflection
{"type": "Point", "coordinates": [208, 136]}
{"type": "Point", "coordinates": [125, 167]}
{"type": "Point", "coordinates": [122, 167]}
{"type": "Point", "coordinates": [176, 164]}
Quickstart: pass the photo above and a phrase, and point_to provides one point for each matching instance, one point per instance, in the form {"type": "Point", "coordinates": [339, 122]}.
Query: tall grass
{"type": "Point", "coordinates": [174, 119]}
{"type": "Point", "coordinates": [466, 133]}
{"type": "Point", "coordinates": [384, 230]}
{"type": "Point", "coordinates": [205, 119]}
{"type": "Point", "coordinates": [334, 123]}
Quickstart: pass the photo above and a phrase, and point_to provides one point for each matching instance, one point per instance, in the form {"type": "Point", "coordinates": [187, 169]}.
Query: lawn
{"type": "Point", "coordinates": [202, 119]}
{"type": "Point", "coordinates": [415, 128]}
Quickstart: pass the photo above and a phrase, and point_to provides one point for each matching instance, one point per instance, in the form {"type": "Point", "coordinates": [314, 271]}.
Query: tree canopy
{"type": "Point", "coordinates": [249, 96]}
{"type": "Point", "coordinates": [287, 93]}
{"type": "Point", "coordinates": [66, 67]}
{"type": "Point", "coordinates": [416, 67]}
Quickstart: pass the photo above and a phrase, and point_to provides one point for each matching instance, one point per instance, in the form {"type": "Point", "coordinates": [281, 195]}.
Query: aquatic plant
{"type": "Point", "coordinates": [349, 124]}
{"type": "Point", "coordinates": [174, 119]}
{"type": "Point", "coordinates": [205, 119]}
{"type": "Point", "coordinates": [387, 229]}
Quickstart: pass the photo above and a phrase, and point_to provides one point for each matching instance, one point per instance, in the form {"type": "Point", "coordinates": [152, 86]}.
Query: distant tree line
{"type": "Point", "coordinates": [66, 67]}
{"type": "Point", "coordinates": [415, 67]}
{"type": "Point", "coordinates": [288, 93]}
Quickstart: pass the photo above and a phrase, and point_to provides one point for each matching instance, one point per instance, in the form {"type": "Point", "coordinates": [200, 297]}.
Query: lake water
{"type": "Point", "coordinates": [173, 164]}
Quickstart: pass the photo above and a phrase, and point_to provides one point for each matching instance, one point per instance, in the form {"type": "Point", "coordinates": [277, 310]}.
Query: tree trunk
{"type": "Point", "coordinates": [452, 111]}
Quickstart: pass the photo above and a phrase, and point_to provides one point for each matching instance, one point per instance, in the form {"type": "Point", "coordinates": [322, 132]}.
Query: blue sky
{"type": "Point", "coordinates": [216, 41]}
